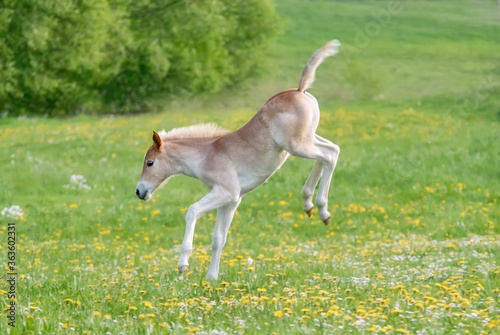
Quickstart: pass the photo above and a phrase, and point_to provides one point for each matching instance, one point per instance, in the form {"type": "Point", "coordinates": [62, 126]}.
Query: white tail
{"type": "Point", "coordinates": [331, 48]}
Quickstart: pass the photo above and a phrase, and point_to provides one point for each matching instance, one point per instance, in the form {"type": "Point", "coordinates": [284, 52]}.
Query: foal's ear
{"type": "Point", "coordinates": [157, 140]}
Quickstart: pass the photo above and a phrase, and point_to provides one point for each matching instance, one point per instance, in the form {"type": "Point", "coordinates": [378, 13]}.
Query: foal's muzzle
{"type": "Point", "coordinates": [142, 193]}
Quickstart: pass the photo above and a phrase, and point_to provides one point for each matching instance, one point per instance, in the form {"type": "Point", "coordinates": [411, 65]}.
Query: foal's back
{"type": "Point", "coordinates": [258, 149]}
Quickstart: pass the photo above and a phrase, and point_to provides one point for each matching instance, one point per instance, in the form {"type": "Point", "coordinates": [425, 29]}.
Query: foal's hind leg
{"type": "Point", "coordinates": [310, 186]}
{"type": "Point", "coordinates": [325, 153]}
{"type": "Point", "coordinates": [333, 152]}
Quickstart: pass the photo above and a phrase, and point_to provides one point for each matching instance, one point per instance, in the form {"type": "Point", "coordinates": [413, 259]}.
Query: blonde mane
{"type": "Point", "coordinates": [205, 130]}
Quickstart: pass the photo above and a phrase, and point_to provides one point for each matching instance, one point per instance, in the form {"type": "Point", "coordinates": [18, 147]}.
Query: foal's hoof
{"type": "Point", "coordinates": [212, 276]}
{"type": "Point", "coordinates": [326, 221]}
{"type": "Point", "coordinates": [182, 268]}
{"type": "Point", "coordinates": [309, 212]}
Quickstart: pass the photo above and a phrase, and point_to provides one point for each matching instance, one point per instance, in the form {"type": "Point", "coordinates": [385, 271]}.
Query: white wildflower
{"type": "Point", "coordinates": [77, 181]}
{"type": "Point", "coordinates": [13, 212]}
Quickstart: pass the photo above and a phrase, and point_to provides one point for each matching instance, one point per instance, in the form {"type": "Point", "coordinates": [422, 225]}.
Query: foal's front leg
{"type": "Point", "coordinates": [217, 197]}
{"type": "Point", "coordinates": [224, 217]}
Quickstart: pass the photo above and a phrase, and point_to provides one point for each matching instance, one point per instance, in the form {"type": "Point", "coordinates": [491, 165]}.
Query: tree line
{"type": "Point", "coordinates": [117, 56]}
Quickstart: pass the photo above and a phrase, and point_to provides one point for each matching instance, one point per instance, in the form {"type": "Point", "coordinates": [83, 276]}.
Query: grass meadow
{"type": "Point", "coordinates": [413, 244]}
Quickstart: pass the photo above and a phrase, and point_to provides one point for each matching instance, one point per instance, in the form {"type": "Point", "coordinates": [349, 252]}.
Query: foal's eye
{"type": "Point", "coordinates": [150, 163]}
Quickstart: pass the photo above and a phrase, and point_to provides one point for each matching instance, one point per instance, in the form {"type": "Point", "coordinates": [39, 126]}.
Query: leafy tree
{"type": "Point", "coordinates": [68, 56]}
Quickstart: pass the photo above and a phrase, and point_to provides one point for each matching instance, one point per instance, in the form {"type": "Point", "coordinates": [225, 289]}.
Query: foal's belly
{"type": "Point", "coordinates": [258, 171]}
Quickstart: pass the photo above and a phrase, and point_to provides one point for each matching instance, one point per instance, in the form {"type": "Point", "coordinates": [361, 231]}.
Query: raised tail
{"type": "Point", "coordinates": [331, 48]}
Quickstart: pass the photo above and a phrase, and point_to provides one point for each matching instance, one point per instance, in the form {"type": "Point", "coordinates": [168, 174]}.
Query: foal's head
{"type": "Point", "coordinates": [155, 169]}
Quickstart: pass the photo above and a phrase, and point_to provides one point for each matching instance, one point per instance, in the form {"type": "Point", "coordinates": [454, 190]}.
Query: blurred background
{"type": "Point", "coordinates": [412, 98]}
{"type": "Point", "coordinates": [103, 57]}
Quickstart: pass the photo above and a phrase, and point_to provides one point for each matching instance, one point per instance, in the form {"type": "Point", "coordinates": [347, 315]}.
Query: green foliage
{"type": "Point", "coordinates": [117, 56]}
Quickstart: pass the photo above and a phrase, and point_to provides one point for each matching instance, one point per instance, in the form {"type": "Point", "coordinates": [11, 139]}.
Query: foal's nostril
{"type": "Point", "coordinates": [137, 191]}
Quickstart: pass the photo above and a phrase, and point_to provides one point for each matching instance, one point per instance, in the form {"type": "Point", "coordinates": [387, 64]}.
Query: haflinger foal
{"type": "Point", "coordinates": [232, 164]}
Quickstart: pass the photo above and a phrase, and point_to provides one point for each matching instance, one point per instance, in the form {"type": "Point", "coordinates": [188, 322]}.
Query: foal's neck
{"type": "Point", "coordinates": [186, 154]}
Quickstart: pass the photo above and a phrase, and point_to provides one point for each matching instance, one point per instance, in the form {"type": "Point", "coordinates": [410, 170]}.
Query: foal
{"type": "Point", "coordinates": [234, 163]}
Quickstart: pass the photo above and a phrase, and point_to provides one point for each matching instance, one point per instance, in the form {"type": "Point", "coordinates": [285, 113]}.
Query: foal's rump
{"type": "Point", "coordinates": [293, 123]}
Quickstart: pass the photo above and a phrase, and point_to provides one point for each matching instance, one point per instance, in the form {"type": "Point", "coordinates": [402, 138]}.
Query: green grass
{"type": "Point", "coordinates": [413, 242]}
